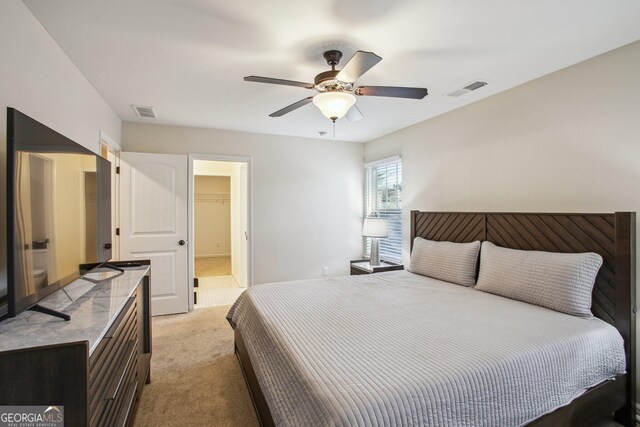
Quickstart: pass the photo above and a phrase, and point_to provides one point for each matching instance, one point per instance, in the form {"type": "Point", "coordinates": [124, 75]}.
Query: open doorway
{"type": "Point", "coordinates": [219, 255]}
{"type": "Point", "coordinates": [90, 242]}
{"type": "Point", "coordinates": [110, 150]}
{"type": "Point", "coordinates": [212, 225]}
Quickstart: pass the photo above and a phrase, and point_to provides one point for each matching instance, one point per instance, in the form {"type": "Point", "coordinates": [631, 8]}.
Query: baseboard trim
{"type": "Point", "coordinates": [238, 282]}
{"type": "Point", "coordinates": [212, 255]}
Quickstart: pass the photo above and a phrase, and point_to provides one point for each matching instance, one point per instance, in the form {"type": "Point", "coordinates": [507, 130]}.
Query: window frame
{"type": "Point", "coordinates": [370, 209]}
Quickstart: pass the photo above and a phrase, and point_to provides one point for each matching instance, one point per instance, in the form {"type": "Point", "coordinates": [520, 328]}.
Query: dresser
{"type": "Point", "coordinates": [94, 365]}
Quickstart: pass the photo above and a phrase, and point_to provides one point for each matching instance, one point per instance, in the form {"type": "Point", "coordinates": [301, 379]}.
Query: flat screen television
{"type": "Point", "coordinates": [58, 212]}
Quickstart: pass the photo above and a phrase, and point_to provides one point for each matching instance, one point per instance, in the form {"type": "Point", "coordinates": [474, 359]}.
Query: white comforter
{"type": "Point", "coordinates": [398, 349]}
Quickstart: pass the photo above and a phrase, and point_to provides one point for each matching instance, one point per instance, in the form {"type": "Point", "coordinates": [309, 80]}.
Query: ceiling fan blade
{"type": "Point", "coordinates": [354, 114]}
{"type": "Point", "coordinates": [259, 79]}
{"type": "Point", "coordinates": [392, 91]}
{"type": "Point", "coordinates": [360, 63]}
{"type": "Point", "coordinates": [292, 107]}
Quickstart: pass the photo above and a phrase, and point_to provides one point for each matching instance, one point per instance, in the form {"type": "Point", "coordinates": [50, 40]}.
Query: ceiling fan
{"type": "Point", "coordinates": [337, 87]}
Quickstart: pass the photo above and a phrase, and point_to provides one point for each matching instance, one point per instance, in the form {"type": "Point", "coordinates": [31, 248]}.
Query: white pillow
{"type": "Point", "coordinates": [559, 281]}
{"type": "Point", "coordinates": [448, 261]}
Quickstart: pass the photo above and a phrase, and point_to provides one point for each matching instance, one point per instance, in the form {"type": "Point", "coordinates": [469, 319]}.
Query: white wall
{"type": "Point", "coordinates": [212, 217]}
{"type": "Point", "coordinates": [568, 142]}
{"type": "Point", "coordinates": [40, 80]}
{"type": "Point", "coordinates": [213, 168]}
{"type": "Point", "coordinates": [307, 194]}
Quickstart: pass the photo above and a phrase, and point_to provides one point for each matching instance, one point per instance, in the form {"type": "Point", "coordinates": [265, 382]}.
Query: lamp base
{"type": "Point", "coordinates": [374, 260]}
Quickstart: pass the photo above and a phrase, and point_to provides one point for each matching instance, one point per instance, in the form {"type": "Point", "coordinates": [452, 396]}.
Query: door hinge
{"type": "Point", "coordinates": [117, 170]}
{"type": "Point", "coordinates": [635, 309]}
{"type": "Point", "coordinates": [118, 231]}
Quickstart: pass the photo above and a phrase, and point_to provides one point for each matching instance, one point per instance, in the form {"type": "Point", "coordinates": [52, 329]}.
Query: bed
{"type": "Point", "coordinates": [402, 349]}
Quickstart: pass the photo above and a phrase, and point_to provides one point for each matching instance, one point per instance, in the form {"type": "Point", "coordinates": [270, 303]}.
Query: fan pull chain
{"type": "Point", "coordinates": [334, 129]}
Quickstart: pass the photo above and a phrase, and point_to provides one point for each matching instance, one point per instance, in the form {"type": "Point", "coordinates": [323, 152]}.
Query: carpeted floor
{"type": "Point", "coordinates": [213, 266]}
{"type": "Point", "coordinates": [195, 377]}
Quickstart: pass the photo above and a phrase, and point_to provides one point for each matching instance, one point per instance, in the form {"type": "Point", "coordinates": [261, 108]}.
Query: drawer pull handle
{"type": "Point", "coordinates": [113, 330]}
{"type": "Point", "coordinates": [124, 415]}
{"type": "Point", "coordinates": [124, 367]}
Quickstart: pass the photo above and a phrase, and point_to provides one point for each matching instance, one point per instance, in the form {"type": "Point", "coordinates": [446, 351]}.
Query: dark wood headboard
{"type": "Point", "coordinates": [611, 235]}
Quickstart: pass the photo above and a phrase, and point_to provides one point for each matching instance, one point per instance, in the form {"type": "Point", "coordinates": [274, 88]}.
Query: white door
{"type": "Point", "coordinates": [153, 224]}
{"type": "Point", "coordinates": [114, 158]}
{"type": "Point", "coordinates": [244, 229]}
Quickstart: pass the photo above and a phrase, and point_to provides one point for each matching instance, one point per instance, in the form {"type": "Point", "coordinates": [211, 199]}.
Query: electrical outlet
{"type": "Point", "coordinates": [325, 271]}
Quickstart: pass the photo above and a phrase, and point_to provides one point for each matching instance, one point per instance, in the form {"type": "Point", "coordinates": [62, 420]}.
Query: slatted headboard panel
{"type": "Point", "coordinates": [565, 233]}
{"type": "Point", "coordinates": [542, 232]}
{"type": "Point", "coordinates": [452, 227]}
{"type": "Point", "coordinates": [610, 235]}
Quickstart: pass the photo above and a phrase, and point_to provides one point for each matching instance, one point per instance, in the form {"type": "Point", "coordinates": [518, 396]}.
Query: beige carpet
{"type": "Point", "coordinates": [195, 377]}
{"type": "Point", "coordinates": [213, 266]}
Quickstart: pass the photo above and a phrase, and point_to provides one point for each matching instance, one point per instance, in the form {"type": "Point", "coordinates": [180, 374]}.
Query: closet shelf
{"type": "Point", "coordinates": [212, 198]}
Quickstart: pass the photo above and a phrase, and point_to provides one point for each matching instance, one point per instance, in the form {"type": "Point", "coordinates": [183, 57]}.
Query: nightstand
{"type": "Point", "coordinates": [361, 266]}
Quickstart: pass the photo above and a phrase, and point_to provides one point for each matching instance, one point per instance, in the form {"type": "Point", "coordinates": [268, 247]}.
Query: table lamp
{"type": "Point", "coordinates": [375, 228]}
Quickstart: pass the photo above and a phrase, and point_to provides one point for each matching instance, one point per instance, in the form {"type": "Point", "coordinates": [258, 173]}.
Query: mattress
{"type": "Point", "coordinates": [399, 349]}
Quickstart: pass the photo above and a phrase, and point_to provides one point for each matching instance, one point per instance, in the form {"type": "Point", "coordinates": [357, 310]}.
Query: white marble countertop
{"type": "Point", "coordinates": [93, 304]}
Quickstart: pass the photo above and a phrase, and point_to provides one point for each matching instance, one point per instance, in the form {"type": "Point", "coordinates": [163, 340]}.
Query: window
{"type": "Point", "coordinates": [383, 198]}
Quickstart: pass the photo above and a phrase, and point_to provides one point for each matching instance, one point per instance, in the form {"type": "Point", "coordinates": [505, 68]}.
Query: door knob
{"type": "Point", "coordinates": [181, 242]}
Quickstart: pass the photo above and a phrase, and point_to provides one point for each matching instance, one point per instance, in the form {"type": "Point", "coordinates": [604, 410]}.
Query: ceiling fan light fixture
{"type": "Point", "coordinates": [337, 87]}
{"type": "Point", "coordinates": [334, 105]}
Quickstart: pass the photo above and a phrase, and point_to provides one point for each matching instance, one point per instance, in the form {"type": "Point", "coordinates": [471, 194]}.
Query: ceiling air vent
{"type": "Point", "coordinates": [468, 88]}
{"type": "Point", "coordinates": [148, 112]}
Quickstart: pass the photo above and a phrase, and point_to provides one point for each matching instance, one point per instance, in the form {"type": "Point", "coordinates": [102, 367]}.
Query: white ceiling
{"type": "Point", "coordinates": [187, 58]}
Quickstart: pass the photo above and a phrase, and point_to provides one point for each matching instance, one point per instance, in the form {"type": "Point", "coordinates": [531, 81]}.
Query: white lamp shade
{"type": "Point", "coordinates": [334, 105]}
{"type": "Point", "coordinates": [375, 227]}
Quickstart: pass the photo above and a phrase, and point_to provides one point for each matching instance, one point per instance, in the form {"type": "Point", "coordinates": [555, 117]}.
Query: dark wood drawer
{"type": "Point", "coordinates": [99, 387]}
{"type": "Point", "coordinates": [113, 367]}
{"type": "Point", "coordinates": [123, 393]}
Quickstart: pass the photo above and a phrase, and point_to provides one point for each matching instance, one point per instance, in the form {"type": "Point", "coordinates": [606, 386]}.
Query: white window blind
{"type": "Point", "coordinates": [383, 198]}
